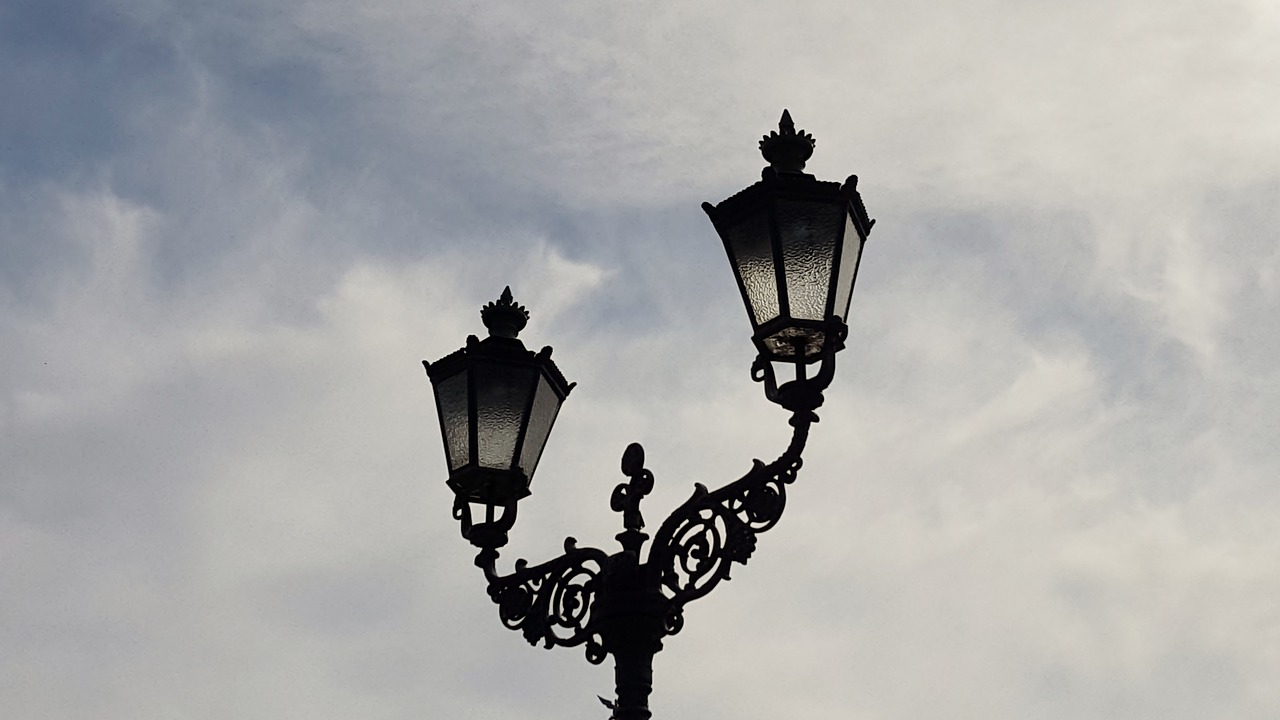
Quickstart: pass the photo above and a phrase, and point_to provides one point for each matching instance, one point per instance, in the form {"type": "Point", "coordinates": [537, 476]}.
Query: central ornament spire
{"type": "Point", "coordinates": [627, 496]}
{"type": "Point", "coordinates": [504, 318]}
{"type": "Point", "coordinates": [787, 149]}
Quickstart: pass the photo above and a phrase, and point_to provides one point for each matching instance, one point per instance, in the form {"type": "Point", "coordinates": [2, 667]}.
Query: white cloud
{"type": "Point", "coordinates": [1042, 486]}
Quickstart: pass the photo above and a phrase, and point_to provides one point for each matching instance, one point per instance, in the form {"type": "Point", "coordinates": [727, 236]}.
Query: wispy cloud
{"type": "Point", "coordinates": [1043, 481]}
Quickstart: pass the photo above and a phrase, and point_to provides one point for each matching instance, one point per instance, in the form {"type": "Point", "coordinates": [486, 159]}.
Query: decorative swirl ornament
{"type": "Point", "coordinates": [551, 603]}
{"type": "Point", "coordinates": [622, 606]}
{"type": "Point", "coordinates": [697, 546]}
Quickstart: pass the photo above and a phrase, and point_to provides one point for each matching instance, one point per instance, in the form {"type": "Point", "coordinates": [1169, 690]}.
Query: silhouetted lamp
{"type": "Point", "coordinates": [497, 402]}
{"type": "Point", "coordinates": [794, 243]}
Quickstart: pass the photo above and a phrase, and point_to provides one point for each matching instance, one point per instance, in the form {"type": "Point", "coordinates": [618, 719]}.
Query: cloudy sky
{"type": "Point", "coordinates": [1043, 487]}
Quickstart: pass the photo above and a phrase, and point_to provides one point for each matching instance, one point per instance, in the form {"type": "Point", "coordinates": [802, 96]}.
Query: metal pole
{"type": "Point", "coordinates": [633, 676]}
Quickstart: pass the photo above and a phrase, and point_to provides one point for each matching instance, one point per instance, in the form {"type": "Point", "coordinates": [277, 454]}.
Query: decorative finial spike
{"type": "Point", "coordinates": [786, 148]}
{"type": "Point", "coordinates": [504, 318]}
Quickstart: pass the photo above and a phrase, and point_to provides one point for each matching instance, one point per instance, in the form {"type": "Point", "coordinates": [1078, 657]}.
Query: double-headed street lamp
{"type": "Point", "coordinates": [794, 243]}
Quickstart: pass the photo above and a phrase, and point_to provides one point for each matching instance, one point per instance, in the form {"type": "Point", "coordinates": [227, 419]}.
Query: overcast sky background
{"type": "Point", "coordinates": [1043, 487]}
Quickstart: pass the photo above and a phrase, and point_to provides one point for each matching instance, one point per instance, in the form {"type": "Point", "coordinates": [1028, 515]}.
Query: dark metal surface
{"type": "Point", "coordinates": [624, 604]}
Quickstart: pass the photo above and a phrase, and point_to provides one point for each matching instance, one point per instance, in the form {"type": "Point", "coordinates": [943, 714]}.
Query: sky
{"type": "Point", "coordinates": [1043, 486]}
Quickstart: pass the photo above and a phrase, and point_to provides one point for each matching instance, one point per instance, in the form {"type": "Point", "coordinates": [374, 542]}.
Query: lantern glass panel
{"type": "Point", "coordinates": [750, 245]}
{"type": "Point", "coordinates": [810, 232]}
{"type": "Point", "coordinates": [502, 398]}
{"type": "Point", "coordinates": [451, 400]}
{"type": "Point", "coordinates": [852, 250]}
{"type": "Point", "coordinates": [546, 405]}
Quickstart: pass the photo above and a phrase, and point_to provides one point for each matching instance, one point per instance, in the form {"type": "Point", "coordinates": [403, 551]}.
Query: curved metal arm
{"type": "Point", "coordinates": [552, 602]}
{"type": "Point", "coordinates": [697, 545]}
{"type": "Point", "coordinates": [556, 602]}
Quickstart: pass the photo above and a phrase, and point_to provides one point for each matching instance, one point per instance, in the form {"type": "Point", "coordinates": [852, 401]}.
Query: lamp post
{"type": "Point", "coordinates": [794, 244]}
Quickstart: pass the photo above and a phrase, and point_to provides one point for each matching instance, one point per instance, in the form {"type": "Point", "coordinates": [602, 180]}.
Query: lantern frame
{"type": "Point", "coordinates": [481, 375]}
{"type": "Point", "coordinates": [762, 219]}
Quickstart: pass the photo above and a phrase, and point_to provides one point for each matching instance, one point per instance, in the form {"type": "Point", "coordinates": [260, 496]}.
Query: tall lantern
{"type": "Point", "coordinates": [794, 243]}
{"type": "Point", "coordinates": [497, 402]}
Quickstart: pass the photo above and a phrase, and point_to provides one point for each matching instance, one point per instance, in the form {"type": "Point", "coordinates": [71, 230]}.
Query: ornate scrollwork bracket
{"type": "Point", "coordinates": [618, 605]}
{"type": "Point", "coordinates": [552, 603]}
{"type": "Point", "coordinates": [697, 545]}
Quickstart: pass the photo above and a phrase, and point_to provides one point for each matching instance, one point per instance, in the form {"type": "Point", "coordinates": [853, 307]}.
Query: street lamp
{"type": "Point", "coordinates": [794, 243]}
{"type": "Point", "coordinates": [497, 402]}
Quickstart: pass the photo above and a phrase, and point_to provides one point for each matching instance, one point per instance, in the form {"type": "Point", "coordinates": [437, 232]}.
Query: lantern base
{"type": "Point", "coordinates": [800, 341]}
{"type": "Point", "coordinates": [488, 486]}
{"type": "Point", "coordinates": [488, 534]}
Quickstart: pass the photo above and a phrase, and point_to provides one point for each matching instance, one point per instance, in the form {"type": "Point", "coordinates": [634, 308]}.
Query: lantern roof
{"type": "Point", "coordinates": [505, 319]}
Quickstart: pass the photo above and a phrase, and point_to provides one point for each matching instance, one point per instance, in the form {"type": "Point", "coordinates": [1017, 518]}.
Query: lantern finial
{"type": "Point", "coordinates": [504, 318]}
{"type": "Point", "coordinates": [785, 148]}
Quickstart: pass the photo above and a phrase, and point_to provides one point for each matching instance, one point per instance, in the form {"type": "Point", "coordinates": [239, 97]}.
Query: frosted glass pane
{"type": "Point", "coordinates": [502, 393]}
{"type": "Point", "coordinates": [545, 407]}
{"type": "Point", "coordinates": [809, 233]}
{"type": "Point", "coordinates": [848, 266]}
{"type": "Point", "coordinates": [451, 399]}
{"type": "Point", "coordinates": [751, 249]}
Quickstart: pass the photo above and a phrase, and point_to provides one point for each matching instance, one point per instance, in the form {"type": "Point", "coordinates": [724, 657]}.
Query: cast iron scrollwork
{"type": "Point", "coordinates": [551, 603]}
{"type": "Point", "coordinates": [697, 545]}
{"type": "Point", "coordinates": [615, 604]}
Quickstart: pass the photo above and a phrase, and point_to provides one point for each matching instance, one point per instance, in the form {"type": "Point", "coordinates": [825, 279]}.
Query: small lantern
{"type": "Point", "coordinates": [794, 243]}
{"type": "Point", "coordinates": [497, 402]}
